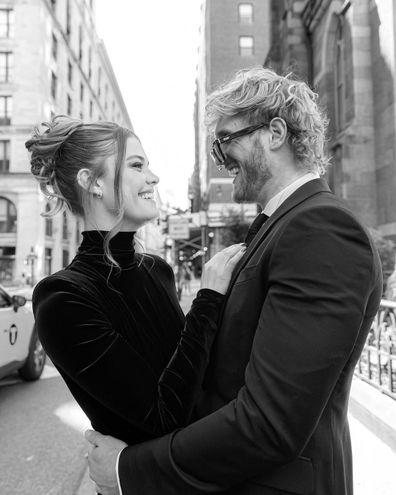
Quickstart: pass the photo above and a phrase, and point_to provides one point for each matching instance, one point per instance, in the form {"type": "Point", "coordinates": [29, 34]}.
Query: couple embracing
{"type": "Point", "coordinates": [248, 393]}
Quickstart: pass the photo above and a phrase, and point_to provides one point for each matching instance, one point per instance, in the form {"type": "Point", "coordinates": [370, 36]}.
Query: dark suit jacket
{"type": "Point", "coordinates": [275, 398]}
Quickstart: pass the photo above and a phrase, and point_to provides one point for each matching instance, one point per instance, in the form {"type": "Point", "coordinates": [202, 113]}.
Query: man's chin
{"type": "Point", "coordinates": [239, 198]}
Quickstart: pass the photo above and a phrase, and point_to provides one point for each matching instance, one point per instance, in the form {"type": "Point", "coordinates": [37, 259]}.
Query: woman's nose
{"type": "Point", "coordinates": [152, 178]}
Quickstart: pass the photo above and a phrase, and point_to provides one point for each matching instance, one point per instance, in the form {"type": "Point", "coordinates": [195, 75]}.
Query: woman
{"type": "Point", "coordinates": [110, 321]}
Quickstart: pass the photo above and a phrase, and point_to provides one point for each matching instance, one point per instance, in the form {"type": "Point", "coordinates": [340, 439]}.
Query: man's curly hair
{"type": "Point", "coordinates": [259, 95]}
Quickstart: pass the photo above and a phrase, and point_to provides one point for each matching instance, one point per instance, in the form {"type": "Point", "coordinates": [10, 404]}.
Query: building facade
{"type": "Point", "coordinates": [234, 35]}
{"type": "Point", "coordinates": [346, 51]}
{"type": "Point", "coordinates": [51, 62]}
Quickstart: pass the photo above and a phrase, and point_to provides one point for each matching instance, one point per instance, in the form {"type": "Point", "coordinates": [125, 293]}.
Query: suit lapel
{"type": "Point", "coordinates": [304, 192]}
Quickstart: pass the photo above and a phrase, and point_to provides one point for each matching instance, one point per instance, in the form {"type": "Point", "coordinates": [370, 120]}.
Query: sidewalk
{"type": "Point", "coordinates": [372, 419]}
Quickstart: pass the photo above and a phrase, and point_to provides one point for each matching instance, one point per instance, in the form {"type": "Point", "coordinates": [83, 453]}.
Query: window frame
{"type": "Point", "coordinates": [243, 19]}
{"type": "Point", "coordinates": [250, 48]}
{"type": "Point", "coordinates": [11, 219]}
{"type": "Point", "coordinates": [5, 117]}
{"type": "Point", "coordinates": [8, 24]}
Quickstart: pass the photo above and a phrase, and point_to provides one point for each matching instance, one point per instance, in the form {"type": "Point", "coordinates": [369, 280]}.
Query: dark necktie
{"type": "Point", "coordinates": [255, 227]}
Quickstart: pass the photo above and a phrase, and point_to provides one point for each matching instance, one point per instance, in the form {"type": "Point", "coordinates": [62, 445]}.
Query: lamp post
{"type": "Point", "coordinates": [203, 221]}
{"type": "Point", "coordinates": [30, 261]}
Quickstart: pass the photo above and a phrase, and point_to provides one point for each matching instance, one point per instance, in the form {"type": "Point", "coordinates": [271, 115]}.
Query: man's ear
{"type": "Point", "coordinates": [278, 133]}
{"type": "Point", "coordinates": [84, 180]}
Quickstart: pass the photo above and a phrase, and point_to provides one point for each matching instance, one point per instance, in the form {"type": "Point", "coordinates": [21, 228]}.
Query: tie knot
{"type": "Point", "coordinates": [255, 227]}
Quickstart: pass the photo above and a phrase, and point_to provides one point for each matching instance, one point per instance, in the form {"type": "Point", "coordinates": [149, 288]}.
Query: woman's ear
{"type": "Point", "coordinates": [278, 133]}
{"type": "Point", "coordinates": [84, 180]}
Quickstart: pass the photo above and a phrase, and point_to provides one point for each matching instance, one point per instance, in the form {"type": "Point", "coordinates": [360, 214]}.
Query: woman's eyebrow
{"type": "Point", "coordinates": [135, 156]}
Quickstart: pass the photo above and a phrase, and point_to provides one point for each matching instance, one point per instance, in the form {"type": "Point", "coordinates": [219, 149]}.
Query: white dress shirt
{"type": "Point", "coordinates": [274, 203]}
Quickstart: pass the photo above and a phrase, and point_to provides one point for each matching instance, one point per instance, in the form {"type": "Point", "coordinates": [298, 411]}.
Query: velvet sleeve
{"type": "Point", "coordinates": [83, 343]}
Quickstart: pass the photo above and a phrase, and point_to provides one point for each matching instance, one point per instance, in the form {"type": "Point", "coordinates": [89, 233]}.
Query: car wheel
{"type": "Point", "coordinates": [34, 364]}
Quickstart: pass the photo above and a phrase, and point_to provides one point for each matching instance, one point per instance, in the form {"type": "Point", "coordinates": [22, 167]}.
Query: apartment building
{"type": "Point", "coordinates": [345, 49]}
{"type": "Point", "coordinates": [51, 62]}
{"type": "Point", "coordinates": [234, 35]}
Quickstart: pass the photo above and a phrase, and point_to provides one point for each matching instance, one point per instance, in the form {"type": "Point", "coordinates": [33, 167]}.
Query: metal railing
{"type": "Point", "coordinates": [377, 364]}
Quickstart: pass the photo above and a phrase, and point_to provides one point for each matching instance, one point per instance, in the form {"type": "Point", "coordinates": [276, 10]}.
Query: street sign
{"type": "Point", "coordinates": [178, 227]}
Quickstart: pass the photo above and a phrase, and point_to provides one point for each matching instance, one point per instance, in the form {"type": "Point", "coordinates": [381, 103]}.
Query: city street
{"type": "Point", "coordinates": [42, 446]}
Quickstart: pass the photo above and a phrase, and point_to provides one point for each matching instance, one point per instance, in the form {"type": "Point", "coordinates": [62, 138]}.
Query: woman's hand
{"type": "Point", "coordinates": [218, 270]}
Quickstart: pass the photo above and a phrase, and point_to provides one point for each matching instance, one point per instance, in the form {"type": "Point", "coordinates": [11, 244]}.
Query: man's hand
{"type": "Point", "coordinates": [102, 460]}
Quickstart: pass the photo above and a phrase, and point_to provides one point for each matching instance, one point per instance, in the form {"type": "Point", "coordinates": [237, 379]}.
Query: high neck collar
{"type": "Point", "coordinates": [121, 248]}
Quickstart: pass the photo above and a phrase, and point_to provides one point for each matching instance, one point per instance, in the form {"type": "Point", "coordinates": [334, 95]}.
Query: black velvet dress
{"type": "Point", "coordinates": [119, 338]}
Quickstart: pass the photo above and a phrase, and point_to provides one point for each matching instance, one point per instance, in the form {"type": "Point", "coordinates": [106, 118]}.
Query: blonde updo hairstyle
{"type": "Point", "coordinates": [65, 147]}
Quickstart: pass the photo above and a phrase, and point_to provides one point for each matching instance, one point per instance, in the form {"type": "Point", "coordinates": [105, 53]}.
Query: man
{"type": "Point", "coordinates": [275, 397]}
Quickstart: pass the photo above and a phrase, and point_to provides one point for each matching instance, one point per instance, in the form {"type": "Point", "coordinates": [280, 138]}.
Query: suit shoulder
{"type": "Point", "coordinates": [327, 209]}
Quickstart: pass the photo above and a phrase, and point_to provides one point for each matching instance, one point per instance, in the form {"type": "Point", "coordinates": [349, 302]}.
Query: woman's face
{"type": "Point", "coordinates": [137, 184]}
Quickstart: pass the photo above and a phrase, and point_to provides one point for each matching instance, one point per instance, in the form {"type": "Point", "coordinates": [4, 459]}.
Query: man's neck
{"type": "Point", "coordinates": [276, 184]}
{"type": "Point", "coordinates": [281, 196]}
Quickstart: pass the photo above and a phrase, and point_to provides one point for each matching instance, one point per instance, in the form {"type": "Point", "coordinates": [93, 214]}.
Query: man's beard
{"type": "Point", "coordinates": [254, 173]}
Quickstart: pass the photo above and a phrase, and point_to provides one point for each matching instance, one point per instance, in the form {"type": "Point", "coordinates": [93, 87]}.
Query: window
{"type": "Point", "coordinates": [344, 95]}
{"type": "Point", "coordinates": [89, 63]}
{"type": "Point", "coordinates": [54, 47]}
{"type": "Point", "coordinates": [6, 23]}
{"type": "Point", "coordinates": [68, 19]}
{"type": "Point", "coordinates": [5, 66]}
{"type": "Point", "coordinates": [48, 222]}
{"type": "Point", "coordinates": [80, 44]}
{"type": "Point", "coordinates": [53, 84]}
{"type": "Point", "coordinates": [90, 109]}
{"type": "Point", "coordinates": [81, 92]}
{"type": "Point", "coordinates": [246, 46]}
{"type": "Point", "coordinates": [5, 110]}
{"type": "Point", "coordinates": [99, 80]}
{"type": "Point", "coordinates": [105, 97]}
{"type": "Point", "coordinates": [113, 110]}
{"type": "Point", "coordinates": [69, 105]}
{"type": "Point", "coordinates": [64, 227]}
{"type": "Point", "coordinates": [8, 216]}
{"type": "Point", "coordinates": [4, 156]}
{"type": "Point", "coordinates": [4, 300]}
{"type": "Point", "coordinates": [245, 13]}
{"type": "Point", "coordinates": [65, 257]}
{"type": "Point", "coordinates": [7, 261]}
{"type": "Point", "coordinates": [69, 73]}
{"type": "Point", "coordinates": [48, 261]}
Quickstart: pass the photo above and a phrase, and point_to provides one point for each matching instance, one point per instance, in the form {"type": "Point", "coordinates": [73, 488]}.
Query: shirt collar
{"type": "Point", "coordinates": [274, 203]}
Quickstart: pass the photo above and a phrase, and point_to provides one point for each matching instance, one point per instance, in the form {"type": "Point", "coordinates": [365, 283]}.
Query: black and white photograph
{"type": "Point", "coordinates": [197, 247]}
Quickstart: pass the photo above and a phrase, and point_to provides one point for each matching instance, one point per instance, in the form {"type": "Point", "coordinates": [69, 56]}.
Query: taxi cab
{"type": "Point", "coordinates": [20, 348]}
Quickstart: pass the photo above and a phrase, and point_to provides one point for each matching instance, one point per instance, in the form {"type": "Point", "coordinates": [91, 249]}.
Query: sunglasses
{"type": "Point", "coordinates": [218, 154]}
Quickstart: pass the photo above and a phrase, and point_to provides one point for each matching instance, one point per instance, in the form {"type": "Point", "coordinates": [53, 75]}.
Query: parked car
{"type": "Point", "coordinates": [20, 347]}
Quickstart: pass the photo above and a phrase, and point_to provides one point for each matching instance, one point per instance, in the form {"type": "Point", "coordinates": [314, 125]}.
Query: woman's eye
{"type": "Point", "coordinates": [137, 165]}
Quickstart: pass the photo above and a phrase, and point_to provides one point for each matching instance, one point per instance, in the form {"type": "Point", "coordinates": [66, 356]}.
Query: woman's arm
{"type": "Point", "coordinates": [84, 344]}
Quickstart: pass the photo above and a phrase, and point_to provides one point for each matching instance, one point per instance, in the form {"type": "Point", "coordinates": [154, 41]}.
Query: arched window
{"type": "Point", "coordinates": [344, 98]}
{"type": "Point", "coordinates": [8, 216]}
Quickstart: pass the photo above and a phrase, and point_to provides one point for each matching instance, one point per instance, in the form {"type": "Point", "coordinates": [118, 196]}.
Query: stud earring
{"type": "Point", "coordinates": [98, 194]}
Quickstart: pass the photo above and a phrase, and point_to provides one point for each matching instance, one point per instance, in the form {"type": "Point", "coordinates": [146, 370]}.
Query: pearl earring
{"type": "Point", "coordinates": [98, 194]}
